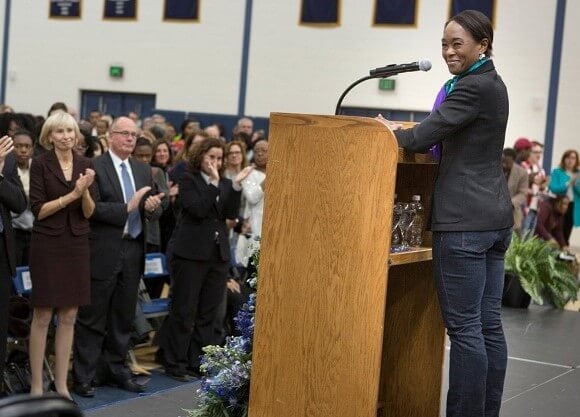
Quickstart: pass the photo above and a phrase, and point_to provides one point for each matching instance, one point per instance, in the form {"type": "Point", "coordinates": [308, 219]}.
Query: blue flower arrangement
{"type": "Point", "coordinates": [225, 385]}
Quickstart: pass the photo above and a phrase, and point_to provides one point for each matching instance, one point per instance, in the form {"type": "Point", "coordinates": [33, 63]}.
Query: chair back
{"type": "Point", "coordinates": [21, 281]}
{"type": "Point", "coordinates": [155, 265]}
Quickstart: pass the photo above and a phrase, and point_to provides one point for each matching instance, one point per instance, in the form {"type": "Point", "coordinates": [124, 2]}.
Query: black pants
{"type": "Point", "coordinates": [5, 291]}
{"type": "Point", "coordinates": [197, 292]}
{"type": "Point", "coordinates": [103, 329]}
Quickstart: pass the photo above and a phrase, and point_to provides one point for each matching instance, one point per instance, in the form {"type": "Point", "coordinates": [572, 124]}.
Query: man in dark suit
{"type": "Point", "coordinates": [122, 203]}
{"type": "Point", "coordinates": [12, 198]}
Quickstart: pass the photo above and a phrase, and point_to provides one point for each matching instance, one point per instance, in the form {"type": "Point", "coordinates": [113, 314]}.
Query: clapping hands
{"type": "Point", "coordinates": [84, 182]}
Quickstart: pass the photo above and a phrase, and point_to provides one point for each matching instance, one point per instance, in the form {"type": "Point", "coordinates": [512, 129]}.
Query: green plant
{"type": "Point", "coordinates": [542, 275]}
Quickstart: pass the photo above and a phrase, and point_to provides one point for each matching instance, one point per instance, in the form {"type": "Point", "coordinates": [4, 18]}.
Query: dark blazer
{"type": "Point", "coordinates": [202, 216]}
{"type": "Point", "coordinates": [12, 199]}
{"type": "Point", "coordinates": [110, 215]}
{"type": "Point", "coordinates": [471, 192]}
{"type": "Point", "coordinates": [47, 183]}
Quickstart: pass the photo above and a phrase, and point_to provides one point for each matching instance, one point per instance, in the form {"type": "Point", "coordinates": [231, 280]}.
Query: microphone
{"type": "Point", "coordinates": [393, 69]}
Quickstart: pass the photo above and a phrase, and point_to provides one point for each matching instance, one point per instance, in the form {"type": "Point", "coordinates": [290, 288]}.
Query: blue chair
{"type": "Point", "coordinates": [21, 281]}
{"type": "Point", "coordinates": [155, 267]}
{"type": "Point", "coordinates": [22, 285]}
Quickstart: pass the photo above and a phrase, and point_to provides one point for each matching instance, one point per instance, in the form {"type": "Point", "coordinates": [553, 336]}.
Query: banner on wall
{"type": "Point", "coordinates": [183, 10]}
{"type": "Point", "coordinates": [65, 9]}
{"type": "Point", "coordinates": [320, 12]}
{"type": "Point", "coordinates": [486, 7]}
{"type": "Point", "coordinates": [395, 12]}
{"type": "Point", "coordinates": [120, 9]}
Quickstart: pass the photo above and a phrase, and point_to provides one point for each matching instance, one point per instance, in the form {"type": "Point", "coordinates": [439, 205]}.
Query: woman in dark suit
{"type": "Point", "coordinates": [59, 259]}
{"type": "Point", "coordinates": [201, 255]}
{"type": "Point", "coordinates": [471, 217]}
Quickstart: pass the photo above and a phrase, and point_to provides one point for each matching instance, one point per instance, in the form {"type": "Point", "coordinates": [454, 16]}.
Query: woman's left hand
{"type": "Point", "coordinates": [243, 174]}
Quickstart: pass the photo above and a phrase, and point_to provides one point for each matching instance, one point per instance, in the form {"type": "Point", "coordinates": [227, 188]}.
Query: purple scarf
{"type": "Point", "coordinates": [435, 150]}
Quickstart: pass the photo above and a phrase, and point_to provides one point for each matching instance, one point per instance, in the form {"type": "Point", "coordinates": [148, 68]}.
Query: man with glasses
{"type": "Point", "coordinates": [123, 201]}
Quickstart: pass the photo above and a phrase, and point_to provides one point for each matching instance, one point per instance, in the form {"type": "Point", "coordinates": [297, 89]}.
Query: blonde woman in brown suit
{"type": "Point", "coordinates": [59, 260]}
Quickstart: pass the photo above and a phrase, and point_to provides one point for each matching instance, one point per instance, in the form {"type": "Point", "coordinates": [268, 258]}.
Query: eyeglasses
{"type": "Point", "coordinates": [125, 133]}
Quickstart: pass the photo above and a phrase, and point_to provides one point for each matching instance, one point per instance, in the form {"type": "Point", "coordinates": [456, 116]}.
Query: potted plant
{"type": "Point", "coordinates": [539, 271]}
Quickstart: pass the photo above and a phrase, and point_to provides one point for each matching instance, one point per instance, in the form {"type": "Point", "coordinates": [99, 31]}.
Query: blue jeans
{"type": "Point", "coordinates": [469, 274]}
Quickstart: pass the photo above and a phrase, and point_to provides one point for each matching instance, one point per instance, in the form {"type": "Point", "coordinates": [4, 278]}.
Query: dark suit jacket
{"type": "Point", "coordinates": [47, 183]}
{"type": "Point", "coordinates": [12, 199]}
{"type": "Point", "coordinates": [471, 192]}
{"type": "Point", "coordinates": [110, 215]}
{"type": "Point", "coordinates": [202, 216]}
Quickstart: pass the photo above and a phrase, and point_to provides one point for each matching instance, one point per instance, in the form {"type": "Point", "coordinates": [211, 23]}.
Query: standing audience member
{"type": "Point", "coordinates": [523, 147]}
{"type": "Point", "coordinates": [471, 217]}
{"type": "Point", "coordinates": [161, 163]}
{"type": "Point", "coordinates": [117, 261]}
{"type": "Point", "coordinates": [254, 187]}
{"type": "Point", "coordinates": [144, 152]}
{"type": "Point", "coordinates": [550, 224]}
{"type": "Point", "coordinates": [517, 181]}
{"type": "Point", "coordinates": [245, 125]}
{"type": "Point", "coordinates": [59, 253]}
{"type": "Point", "coordinates": [22, 223]}
{"type": "Point", "coordinates": [537, 182]}
{"type": "Point", "coordinates": [201, 255]}
{"type": "Point", "coordinates": [162, 156]}
{"type": "Point", "coordinates": [564, 181]}
{"type": "Point", "coordinates": [12, 199]}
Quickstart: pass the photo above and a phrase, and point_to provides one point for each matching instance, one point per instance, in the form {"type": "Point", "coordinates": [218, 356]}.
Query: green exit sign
{"type": "Point", "coordinates": [116, 71]}
{"type": "Point", "coordinates": [386, 84]}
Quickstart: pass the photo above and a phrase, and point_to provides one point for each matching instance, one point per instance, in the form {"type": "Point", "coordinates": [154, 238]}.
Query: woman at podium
{"type": "Point", "coordinates": [471, 218]}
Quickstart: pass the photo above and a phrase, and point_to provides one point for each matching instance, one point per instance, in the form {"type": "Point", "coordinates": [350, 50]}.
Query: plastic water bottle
{"type": "Point", "coordinates": [395, 233]}
{"type": "Point", "coordinates": [416, 232]}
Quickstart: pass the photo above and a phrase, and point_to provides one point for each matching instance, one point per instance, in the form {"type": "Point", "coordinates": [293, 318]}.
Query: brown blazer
{"type": "Point", "coordinates": [47, 183]}
{"type": "Point", "coordinates": [518, 187]}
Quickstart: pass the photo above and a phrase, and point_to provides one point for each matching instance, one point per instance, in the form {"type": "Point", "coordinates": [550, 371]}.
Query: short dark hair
{"type": "Point", "coordinates": [510, 152]}
{"type": "Point", "coordinates": [477, 24]}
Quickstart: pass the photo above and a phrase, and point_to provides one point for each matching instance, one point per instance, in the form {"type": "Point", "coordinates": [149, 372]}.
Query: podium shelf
{"type": "Point", "coordinates": [410, 256]}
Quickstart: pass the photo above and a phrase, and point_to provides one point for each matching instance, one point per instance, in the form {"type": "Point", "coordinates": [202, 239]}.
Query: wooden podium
{"type": "Point", "coordinates": [343, 327]}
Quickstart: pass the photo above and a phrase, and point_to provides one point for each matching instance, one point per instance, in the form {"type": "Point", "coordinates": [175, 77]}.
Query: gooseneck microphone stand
{"type": "Point", "coordinates": [338, 109]}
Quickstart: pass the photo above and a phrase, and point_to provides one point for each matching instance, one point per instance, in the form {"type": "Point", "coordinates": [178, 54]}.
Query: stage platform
{"type": "Point", "coordinates": [543, 372]}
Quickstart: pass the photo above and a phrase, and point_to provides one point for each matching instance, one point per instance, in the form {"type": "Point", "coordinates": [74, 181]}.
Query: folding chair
{"type": "Point", "coordinates": [155, 268]}
{"type": "Point", "coordinates": [154, 309]}
{"type": "Point", "coordinates": [22, 285]}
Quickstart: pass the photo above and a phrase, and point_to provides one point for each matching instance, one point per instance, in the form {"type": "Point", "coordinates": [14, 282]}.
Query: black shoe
{"type": "Point", "coordinates": [84, 389]}
{"type": "Point", "coordinates": [178, 375]}
{"type": "Point", "coordinates": [127, 385]}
